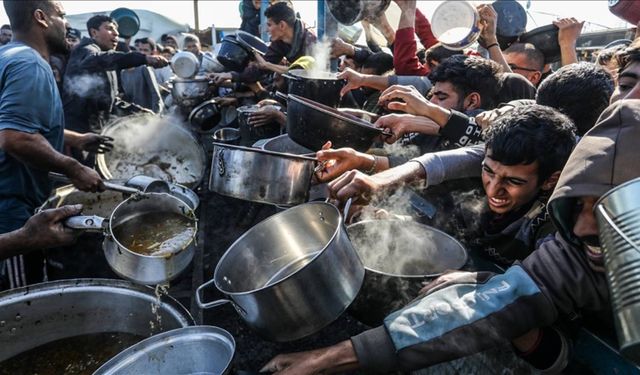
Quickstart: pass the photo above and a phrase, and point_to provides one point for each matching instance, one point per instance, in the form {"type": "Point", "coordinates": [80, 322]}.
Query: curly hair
{"type": "Point", "coordinates": [532, 133]}
{"type": "Point", "coordinates": [469, 74]}
{"type": "Point", "coordinates": [581, 91]}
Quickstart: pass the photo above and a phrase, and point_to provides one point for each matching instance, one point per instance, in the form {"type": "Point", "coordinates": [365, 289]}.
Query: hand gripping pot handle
{"type": "Point", "coordinates": [219, 302]}
{"type": "Point", "coordinates": [86, 223]}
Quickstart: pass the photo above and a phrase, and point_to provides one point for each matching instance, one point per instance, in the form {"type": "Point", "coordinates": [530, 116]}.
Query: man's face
{"type": "Point", "coordinates": [72, 41]}
{"type": "Point", "coordinates": [56, 33]}
{"type": "Point", "coordinates": [444, 95]}
{"type": "Point", "coordinates": [170, 43]}
{"type": "Point", "coordinates": [146, 49]}
{"type": "Point", "coordinates": [586, 227]}
{"type": "Point", "coordinates": [509, 187]}
{"type": "Point", "coordinates": [628, 86]}
{"type": "Point", "coordinates": [106, 37]}
{"type": "Point", "coordinates": [346, 62]}
{"type": "Point", "coordinates": [193, 47]}
{"type": "Point", "coordinates": [519, 64]}
{"type": "Point", "coordinates": [275, 30]}
{"type": "Point", "coordinates": [5, 36]}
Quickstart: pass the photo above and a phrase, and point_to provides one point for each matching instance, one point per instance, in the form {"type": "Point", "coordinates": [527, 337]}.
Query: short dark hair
{"type": "Point", "coordinates": [607, 55]}
{"type": "Point", "coordinates": [513, 86]}
{"type": "Point", "coordinates": [534, 55]}
{"type": "Point", "coordinates": [381, 62]}
{"type": "Point", "coordinates": [281, 12]}
{"type": "Point", "coordinates": [191, 38]}
{"type": "Point", "coordinates": [165, 37]}
{"type": "Point", "coordinates": [96, 21]}
{"type": "Point", "coordinates": [580, 91]}
{"type": "Point", "coordinates": [532, 133]}
{"type": "Point", "coordinates": [627, 56]}
{"type": "Point", "coordinates": [5, 27]}
{"type": "Point", "coordinates": [470, 74]}
{"type": "Point", "coordinates": [150, 42]}
{"type": "Point", "coordinates": [438, 53]}
{"type": "Point", "coordinates": [20, 13]}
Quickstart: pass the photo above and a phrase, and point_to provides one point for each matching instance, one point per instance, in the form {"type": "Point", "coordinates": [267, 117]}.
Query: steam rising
{"type": "Point", "coordinates": [84, 85]}
{"type": "Point", "coordinates": [321, 53]}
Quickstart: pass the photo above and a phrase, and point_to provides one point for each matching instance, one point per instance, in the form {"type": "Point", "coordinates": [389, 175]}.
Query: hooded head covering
{"type": "Point", "coordinates": [607, 156]}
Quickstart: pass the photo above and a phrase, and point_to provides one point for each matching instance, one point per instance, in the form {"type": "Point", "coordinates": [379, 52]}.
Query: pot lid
{"type": "Point", "coordinates": [512, 18]}
{"type": "Point", "coordinates": [251, 42]}
{"type": "Point", "coordinates": [544, 38]}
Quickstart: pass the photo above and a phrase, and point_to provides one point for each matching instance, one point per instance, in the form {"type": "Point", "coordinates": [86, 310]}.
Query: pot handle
{"type": "Point", "coordinates": [221, 166]}
{"type": "Point", "coordinates": [86, 223]}
{"type": "Point", "coordinates": [345, 211]}
{"type": "Point", "coordinates": [209, 305]}
{"type": "Point", "coordinates": [285, 75]}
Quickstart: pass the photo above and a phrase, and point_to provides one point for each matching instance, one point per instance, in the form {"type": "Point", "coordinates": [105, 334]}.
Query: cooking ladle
{"type": "Point", "coordinates": [108, 185]}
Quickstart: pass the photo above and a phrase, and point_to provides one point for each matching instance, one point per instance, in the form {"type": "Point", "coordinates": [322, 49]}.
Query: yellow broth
{"type": "Point", "coordinates": [71, 356]}
{"type": "Point", "coordinates": [155, 234]}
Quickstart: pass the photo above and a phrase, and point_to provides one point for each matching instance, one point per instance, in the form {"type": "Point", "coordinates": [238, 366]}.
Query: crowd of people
{"type": "Point", "coordinates": [536, 144]}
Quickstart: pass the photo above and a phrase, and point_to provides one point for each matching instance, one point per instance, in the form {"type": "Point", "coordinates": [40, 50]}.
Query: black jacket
{"type": "Point", "coordinates": [90, 84]}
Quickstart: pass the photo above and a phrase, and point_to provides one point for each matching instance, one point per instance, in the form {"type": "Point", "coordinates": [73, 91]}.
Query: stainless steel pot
{"type": "Point", "coordinates": [283, 143]}
{"type": "Point", "coordinates": [139, 268]}
{"type": "Point", "coordinates": [290, 275]}
{"type": "Point", "coordinates": [348, 13]}
{"type": "Point", "coordinates": [191, 91]}
{"type": "Point", "coordinates": [38, 314]}
{"type": "Point", "coordinates": [260, 176]}
{"type": "Point", "coordinates": [189, 350]}
{"type": "Point", "coordinates": [154, 146]}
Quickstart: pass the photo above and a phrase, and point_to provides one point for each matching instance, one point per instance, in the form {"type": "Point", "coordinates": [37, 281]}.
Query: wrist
{"type": "Point", "coordinates": [367, 161]}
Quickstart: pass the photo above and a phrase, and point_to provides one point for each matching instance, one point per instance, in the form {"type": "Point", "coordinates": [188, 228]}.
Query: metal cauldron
{"type": "Point", "coordinates": [323, 87]}
{"type": "Point", "coordinates": [139, 268]}
{"type": "Point", "coordinates": [618, 214]}
{"type": "Point", "coordinates": [154, 146]}
{"type": "Point", "coordinates": [38, 314]}
{"type": "Point", "coordinates": [190, 350]}
{"type": "Point", "coordinates": [398, 256]}
{"type": "Point", "coordinates": [189, 92]}
{"type": "Point", "coordinates": [283, 143]}
{"type": "Point", "coordinates": [261, 176]}
{"type": "Point", "coordinates": [312, 124]}
{"type": "Point", "coordinates": [304, 272]}
{"type": "Point", "coordinates": [249, 134]}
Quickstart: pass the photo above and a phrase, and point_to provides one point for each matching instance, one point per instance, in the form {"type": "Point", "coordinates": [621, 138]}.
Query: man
{"type": "Point", "coordinates": [628, 62]}
{"type": "Point", "coordinates": [169, 41]}
{"type": "Point", "coordinates": [289, 39]}
{"type": "Point", "coordinates": [461, 85]}
{"type": "Point", "coordinates": [526, 60]}
{"type": "Point", "coordinates": [192, 44]}
{"type": "Point", "coordinates": [250, 14]}
{"type": "Point", "coordinates": [5, 34]}
{"type": "Point", "coordinates": [42, 231]}
{"type": "Point", "coordinates": [147, 46]}
{"type": "Point", "coordinates": [90, 86]}
{"type": "Point", "coordinates": [32, 126]}
{"type": "Point", "coordinates": [73, 37]}
{"type": "Point", "coordinates": [462, 313]}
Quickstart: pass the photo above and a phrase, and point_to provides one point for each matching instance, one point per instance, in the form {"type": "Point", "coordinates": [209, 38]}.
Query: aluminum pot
{"type": "Point", "coordinates": [398, 256]}
{"type": "Point", "coordinates": [323, 87]}
{"type": "Point", "coordinates": [185, 64]}
{"type": "Point", "coordinates": [618, 215]}
{"type": "Point", "coordinates": [312, 124]}
{"type": "Point", "coordinates": [189, 92]}
{"type": "Point", "coordinates": [189, 350]}
{"type": "Point", "coordinates": [260, 176]}
{"type": "Point", "coordinates": [290, 275]}
{"type": "Point", "coordinates": [38, 314]}
{"type": "Point", "coordinates": [139, 268]}
{"type": "Point", "coordinates": [348, 13]}
{"type": "Point", "coordinates": [233, 55]}
{"type": "Point", "coordinates": [283, 143]}
{"type": "Point", "coordinates": [455, 24]}
{"type": "Point", "coordinates": [154, 146]}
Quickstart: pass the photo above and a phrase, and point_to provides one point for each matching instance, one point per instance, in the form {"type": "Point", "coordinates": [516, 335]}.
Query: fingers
{"type": "Point", "coordinates": [327, 145]}
{"type": "Point", "coordinates": [64, 212]}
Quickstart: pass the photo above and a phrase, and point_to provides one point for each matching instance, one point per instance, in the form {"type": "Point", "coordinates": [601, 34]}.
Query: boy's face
{"type": "Point", "coordinates": [586, 227]}
{"type": "Point", "coordinates": [509, 187]}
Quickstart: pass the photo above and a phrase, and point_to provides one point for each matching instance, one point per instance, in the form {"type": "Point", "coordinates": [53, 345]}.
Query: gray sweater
{"type": "Point", "coordinates": [448, 165]}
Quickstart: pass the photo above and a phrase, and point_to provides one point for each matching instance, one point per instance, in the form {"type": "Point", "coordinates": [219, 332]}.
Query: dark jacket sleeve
{"type": "Point", "coordinates": [91, 59]}
{"type": "Point", "coordinates": [275, 53]}
{"type": "Point", "coordinates": [463, 313]}
{"type": "Point", "coordinates": [461, 130]}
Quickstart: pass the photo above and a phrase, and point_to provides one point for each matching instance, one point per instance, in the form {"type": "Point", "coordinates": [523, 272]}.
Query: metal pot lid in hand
{"type": "Point", "coordinates": [185, 64]}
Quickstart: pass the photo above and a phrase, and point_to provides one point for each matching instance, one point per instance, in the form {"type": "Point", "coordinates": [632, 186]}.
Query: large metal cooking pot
{"type": "Point", "coordinates": [189, 92]}
{"type": "Point", "coordinates": [303, 274]}
{"type": "Point", "coordinates": [185, 64]}
{"type": "Point", "coordinates": [323, 87]}
{"type": "Point", "coordinates": [312, 124]}
{"type": "Point", "coordinates": [350, 12]}
{"type": "Point", "coordinates": [397, 256]}
{"type": "Point", "coordinates": [139, 268]}
{"type": "Point", "coordinates": [261, 176]}
{"type": "Point", "coordinates": [154, 146]}
{"type": "Point", "coordinates": [38, 314]}
{"type": "Point", "coordinates": [249, 134]}
{"type": "Point", "coordinates": [283, 143]}
{"type": "Point", "coordinates": [189, 350]}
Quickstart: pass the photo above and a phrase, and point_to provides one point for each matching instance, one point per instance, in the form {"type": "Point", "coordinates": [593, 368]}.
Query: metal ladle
{"type": "Point", "coordinates": [108, 185]}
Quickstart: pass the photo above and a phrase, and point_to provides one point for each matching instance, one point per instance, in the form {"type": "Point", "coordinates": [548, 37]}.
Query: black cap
{"type": "Point", "coordinates": [74, 33]}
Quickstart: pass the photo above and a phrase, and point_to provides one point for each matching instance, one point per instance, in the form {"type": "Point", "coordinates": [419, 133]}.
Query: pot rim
{"type": "Point", "coordinates": [296, 74]}
{"type": "Point", "coordinates": [354, 120]}
{"type": "Point", "coordinates": [411, 277]}
{"type": "Point", "coordinates": [285, 155]}
{"type": "Point", "coordinates": [190, 212]}
{"type": "Point", "coordinates": [264, 222]}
